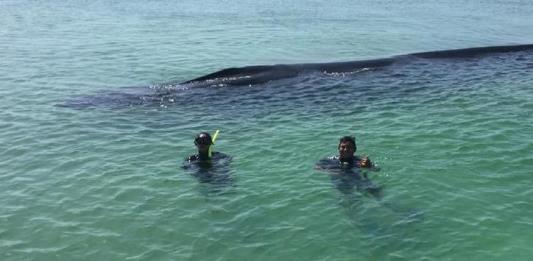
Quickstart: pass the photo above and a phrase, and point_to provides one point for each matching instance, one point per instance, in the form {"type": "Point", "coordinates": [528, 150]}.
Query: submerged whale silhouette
{"type": "Point", "coordinates": [259, 74]}
{"type": "Point", "coordinates": [251, 75]}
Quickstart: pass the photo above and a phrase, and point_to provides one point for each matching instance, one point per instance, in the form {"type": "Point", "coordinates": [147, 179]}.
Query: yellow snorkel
{"type": "Point", "coordinates": [213, 142]}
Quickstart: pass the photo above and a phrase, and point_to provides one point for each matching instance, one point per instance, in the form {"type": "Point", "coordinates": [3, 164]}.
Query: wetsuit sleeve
{"type": "Point", "coordinates": [224, 159]}
{"type": "Point", "coordinates": [188, 161]}
{"type": "Point", "coordinates": [225, 156]}
{"type": "Point", "coordinates": [324, 164]}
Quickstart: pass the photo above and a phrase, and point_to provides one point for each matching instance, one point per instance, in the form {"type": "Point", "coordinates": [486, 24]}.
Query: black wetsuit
{"type": "Point", "coordinates": [215, 170]}
{"type": "Point", "coordinates": [347, 175]}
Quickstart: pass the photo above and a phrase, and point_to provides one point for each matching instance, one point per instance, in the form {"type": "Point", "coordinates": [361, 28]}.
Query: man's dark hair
{"type": "Point", "coordinates": [349, 139]}
{"type": "Point", "coordinates": [203, 137]}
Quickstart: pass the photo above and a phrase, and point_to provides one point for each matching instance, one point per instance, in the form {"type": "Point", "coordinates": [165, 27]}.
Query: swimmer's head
{"type": "Point", "coordinates": [203, 138]}
{"type": "Point", "coordinates": [203, 141]}
{"type": "Point", "coordinates": [347, 147]}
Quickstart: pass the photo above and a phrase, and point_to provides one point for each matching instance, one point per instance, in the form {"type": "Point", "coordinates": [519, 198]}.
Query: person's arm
{"type": "Point", "coordinates": [326, 164]}
{"type": "Point", "coordinates": [320, 165]}
{"type": "Point", "coordinates": [224, 159]}
{"type": "Point", "coordinates": [187, 162]}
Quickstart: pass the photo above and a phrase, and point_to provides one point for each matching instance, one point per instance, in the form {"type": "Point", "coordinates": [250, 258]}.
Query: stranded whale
{"type": "Point", "coordinates": [252, 75]}
{"type": "Point", "coordinates": [260, 74]}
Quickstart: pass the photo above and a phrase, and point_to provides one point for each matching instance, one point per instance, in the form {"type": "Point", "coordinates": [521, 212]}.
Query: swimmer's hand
{"type": "Point", "coordinates": [365, 162]}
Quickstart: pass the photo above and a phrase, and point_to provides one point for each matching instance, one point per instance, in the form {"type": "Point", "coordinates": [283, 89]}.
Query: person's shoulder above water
{"type": "Point", "coordinates": [328, 163]}
{"type": "Point", "coordinates": [335, 162]}
{"type": "Point", "coordinates": [214, 155]}
{"type": "Point", "coordinates": [217, 154]}
{"type": "Point", "coordinates": [193, 157]}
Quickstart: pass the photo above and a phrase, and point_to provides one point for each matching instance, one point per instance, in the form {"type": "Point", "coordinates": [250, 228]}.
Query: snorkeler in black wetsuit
{"type": "Point", "coordinates": [209, 167]}
{"type": "Point", "coordinates": [345, 169]}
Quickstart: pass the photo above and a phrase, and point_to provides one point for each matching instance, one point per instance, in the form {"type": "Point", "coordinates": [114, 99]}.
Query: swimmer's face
{"type": "Point", "coordinates": [202, 142]}
{"type": "Point", "coordinates": [346, 150]}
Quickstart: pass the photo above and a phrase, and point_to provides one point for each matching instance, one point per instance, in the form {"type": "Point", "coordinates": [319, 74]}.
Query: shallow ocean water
{"type": "Point", "coordinates": [452, 137]}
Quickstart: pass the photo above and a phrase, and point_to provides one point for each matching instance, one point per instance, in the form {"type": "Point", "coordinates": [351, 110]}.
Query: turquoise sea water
{"type": "Point", "coordinates": [452, 137]}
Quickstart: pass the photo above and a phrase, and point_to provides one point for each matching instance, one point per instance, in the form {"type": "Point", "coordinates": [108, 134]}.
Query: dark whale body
{"type": "Point", "coordinates": [251, 75]}
{"type": "Point", "coordinates": [259, 74]}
